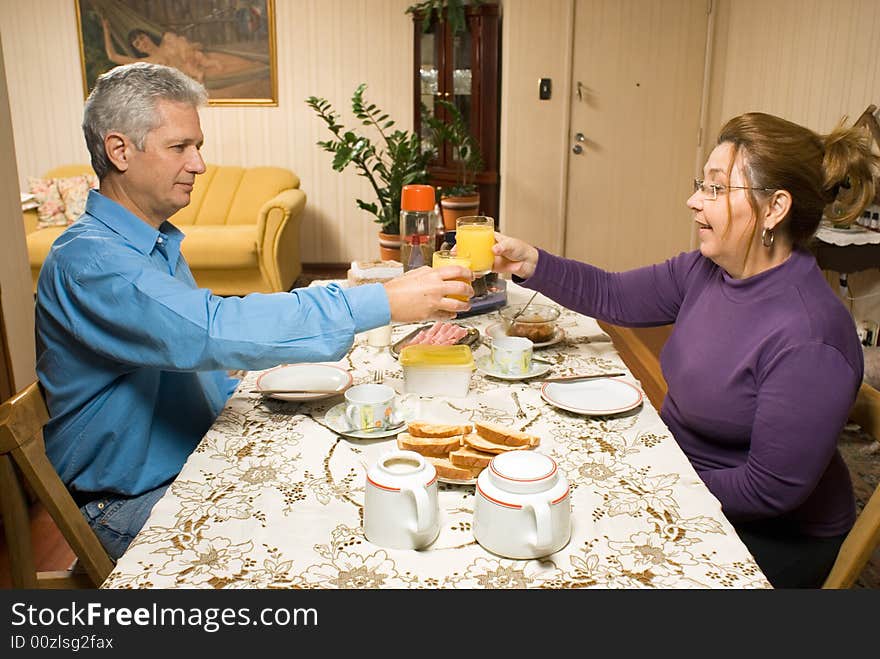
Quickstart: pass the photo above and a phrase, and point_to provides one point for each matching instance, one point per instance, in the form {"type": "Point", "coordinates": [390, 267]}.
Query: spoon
{"type": "Point", "coordinates": [525, 306]}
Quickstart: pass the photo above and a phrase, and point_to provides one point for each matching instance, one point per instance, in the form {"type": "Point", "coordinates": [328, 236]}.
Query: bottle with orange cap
{"type": "Point", "coordinates": [417, 225]}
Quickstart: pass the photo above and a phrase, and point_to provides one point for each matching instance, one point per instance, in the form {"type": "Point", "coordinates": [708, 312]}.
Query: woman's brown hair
{"type": "Point", "coordinates": [817, 170]}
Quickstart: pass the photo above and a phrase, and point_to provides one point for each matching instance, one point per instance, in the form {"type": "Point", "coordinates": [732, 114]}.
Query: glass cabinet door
{"type": "Point", "coordinates": [431, 83]}
{"type": "Point", "coordinates": [460, 85]}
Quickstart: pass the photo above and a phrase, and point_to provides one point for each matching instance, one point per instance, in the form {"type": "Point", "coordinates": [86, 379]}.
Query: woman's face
{"type": "Point", "coordinates": [143, 43]}
{"type": "Point", "coordinates": [724, 236]}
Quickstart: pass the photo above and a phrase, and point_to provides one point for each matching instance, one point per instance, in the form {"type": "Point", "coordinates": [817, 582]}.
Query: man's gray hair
{"type": "Point", "coordinates": [124, 100]}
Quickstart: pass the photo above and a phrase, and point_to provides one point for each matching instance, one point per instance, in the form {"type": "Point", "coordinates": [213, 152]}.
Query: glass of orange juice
{"type": "Point", "coordinates": [474, 236]}
{"type": "Point", "coordinates": [446, 257]}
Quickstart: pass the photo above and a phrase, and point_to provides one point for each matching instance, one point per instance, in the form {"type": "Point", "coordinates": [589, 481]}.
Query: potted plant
{"type": "Point", "coordinates": [462, 198]}
{"type": "Point", "coordinates": [454, 12]}
{"type": "Point", "coordinates": [393, 160]}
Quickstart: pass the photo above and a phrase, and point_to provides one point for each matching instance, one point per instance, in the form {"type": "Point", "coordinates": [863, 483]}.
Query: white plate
{"type": "Point", "coordinates": [455, 481]}
{"type": "Point", "coordinates": [484, 365]}
{"type": "Point", "coordinates": [336, 419]}
{"type": "Point", "coordinates": [496, 331]}
{"type": "Point", "coordinates": [593, 397]}
{"type": "Point", "coordinates": [305, 376]}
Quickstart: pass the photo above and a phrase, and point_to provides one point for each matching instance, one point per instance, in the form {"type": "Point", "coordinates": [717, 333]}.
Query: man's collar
{"type": "Point", "coordinates": [119, 219]}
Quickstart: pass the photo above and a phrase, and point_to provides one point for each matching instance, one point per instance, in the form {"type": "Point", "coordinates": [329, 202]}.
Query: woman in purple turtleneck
{"type": "Point", "coordinates": [764, 361]}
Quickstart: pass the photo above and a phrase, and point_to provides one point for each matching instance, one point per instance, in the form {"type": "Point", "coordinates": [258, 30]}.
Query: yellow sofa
{"type": "Point", "coordinates": [242, 229]}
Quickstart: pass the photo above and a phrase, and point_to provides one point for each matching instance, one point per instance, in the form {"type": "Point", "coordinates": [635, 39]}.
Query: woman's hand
{"type": "Point", "coordinates": [514, 256]}
{"type": "Point", "coordinates": [422, 294]}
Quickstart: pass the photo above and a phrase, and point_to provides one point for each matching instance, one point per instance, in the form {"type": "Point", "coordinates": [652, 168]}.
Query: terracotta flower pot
{"type": "Point", "coordinates": [389, 246]}
{"type": "Point", "coordinates": [456, 207]}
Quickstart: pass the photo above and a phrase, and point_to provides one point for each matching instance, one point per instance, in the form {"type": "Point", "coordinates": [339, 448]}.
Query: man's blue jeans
{"type": "Point", "coordinates": [117, 520]}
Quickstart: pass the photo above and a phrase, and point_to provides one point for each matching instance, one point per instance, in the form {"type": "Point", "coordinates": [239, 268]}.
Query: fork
{"type": "Point", "coordinates": [519, 410]}
{"type": "Point", "coordinates": [377, 376]}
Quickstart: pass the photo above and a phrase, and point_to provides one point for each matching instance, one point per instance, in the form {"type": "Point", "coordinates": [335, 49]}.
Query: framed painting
{"type": "Point", "coordinates": [227, 45]}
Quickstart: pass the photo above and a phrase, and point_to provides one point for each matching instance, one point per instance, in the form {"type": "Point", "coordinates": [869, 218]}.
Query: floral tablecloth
{"type": "Point", "coordinates": [272, 498]}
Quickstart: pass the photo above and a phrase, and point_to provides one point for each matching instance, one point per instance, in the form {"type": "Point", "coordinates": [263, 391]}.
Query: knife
{"type": "Point", "coordinates": [575, 378]}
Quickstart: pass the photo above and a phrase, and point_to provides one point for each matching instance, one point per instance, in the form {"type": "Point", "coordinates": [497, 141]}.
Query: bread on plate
{"type": "Point", "coordinates": [445, 469]}
{"type": "Point", "coordinates": [504, 435]}
{"type": "Point", "coordinates": [438, 446]}
{"type": "Point", "coordinates": [425, 429]}
{"type": "Point", "coordinates": [456, 451]}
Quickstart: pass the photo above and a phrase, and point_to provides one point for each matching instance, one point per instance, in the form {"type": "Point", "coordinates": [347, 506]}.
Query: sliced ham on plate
{"type": "Point", "coordinates": [440, 333]}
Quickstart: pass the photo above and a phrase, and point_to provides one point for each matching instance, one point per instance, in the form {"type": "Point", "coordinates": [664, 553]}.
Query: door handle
{"type": "Point", "coordinates": [577, 149]}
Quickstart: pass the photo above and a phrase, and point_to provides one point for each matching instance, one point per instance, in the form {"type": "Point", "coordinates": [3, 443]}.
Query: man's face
{"type": "Point", "coordinates": [160, 178]}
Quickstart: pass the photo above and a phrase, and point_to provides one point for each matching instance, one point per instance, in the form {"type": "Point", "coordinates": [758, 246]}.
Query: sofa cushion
{"type": "Point", "coordinates": [61, 200]}
{"type": "Point", "coordinates": [208, 247]}
{"type": "Point", "coordinates": [215, 247]}
{"type": "Point", "coordinates": [257, 184]}
{"type": "Point", "coordinates": [50, 208]}
{"type": "Point", "coordinates": [39, 242]}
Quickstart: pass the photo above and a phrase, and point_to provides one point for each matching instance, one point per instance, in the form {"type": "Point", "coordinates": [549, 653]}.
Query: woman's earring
{"type": "Point", "coordinates": [767, 238]}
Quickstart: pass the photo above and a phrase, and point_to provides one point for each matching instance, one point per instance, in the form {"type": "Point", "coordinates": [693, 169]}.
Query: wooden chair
{"type": "Point", "coordinates": [864, 537]}
{"type": "Point", "coordinates": [22, 451]}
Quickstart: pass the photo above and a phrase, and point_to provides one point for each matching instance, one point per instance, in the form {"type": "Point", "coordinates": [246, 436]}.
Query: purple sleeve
{"type": "Point", "coordinates": [794, 435]}
{"type": "Point", "coordinates": [642, 297]}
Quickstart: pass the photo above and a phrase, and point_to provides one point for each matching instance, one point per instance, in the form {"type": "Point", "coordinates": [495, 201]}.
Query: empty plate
{"type": "Point", "coordinates": [305, 376]}
{"type": "Point", "coordinates": [593, 397]}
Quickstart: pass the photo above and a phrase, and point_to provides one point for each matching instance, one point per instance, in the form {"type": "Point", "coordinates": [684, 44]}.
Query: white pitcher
{"type": "Point", "coordinates": [401, 510]}
{"type": "Point", "coordinates": [522, 507]}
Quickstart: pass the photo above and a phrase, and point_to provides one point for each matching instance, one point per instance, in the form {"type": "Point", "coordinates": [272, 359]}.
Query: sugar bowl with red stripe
{"type": "Point", "coordinates": [522, 507]}
{"type": "Point", "coordinates": [401, 510]}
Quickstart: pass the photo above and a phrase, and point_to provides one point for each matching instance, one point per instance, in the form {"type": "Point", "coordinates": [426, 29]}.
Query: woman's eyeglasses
{"type": "Point", "coordinates": [712, 190]}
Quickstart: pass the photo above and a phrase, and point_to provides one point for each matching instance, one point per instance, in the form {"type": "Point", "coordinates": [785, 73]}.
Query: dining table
{"type": "Point", "coordinates": [272, 497]}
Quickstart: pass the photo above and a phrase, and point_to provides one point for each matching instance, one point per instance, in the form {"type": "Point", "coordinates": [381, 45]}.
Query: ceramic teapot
{"type": "Point", "coordinates": [522, 507]}
{"type": "Point", "coordinates": [401, 510]}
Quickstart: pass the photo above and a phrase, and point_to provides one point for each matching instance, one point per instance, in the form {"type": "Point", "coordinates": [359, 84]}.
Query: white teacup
{"type": "Point", "coordinates": [379, 337]}
{"type": "Point", "coordinates": [370, 406]}
{"type": "Point", "coordinates": [522, 506]}
{"type": "Point", "coordinates": [512, 355]}
{"type": "Point", "coordinates": [401, 510]}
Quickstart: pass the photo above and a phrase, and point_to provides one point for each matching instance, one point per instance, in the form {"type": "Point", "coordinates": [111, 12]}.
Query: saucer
{"type": "Point", "coordinates": [484, 365]}
{"type": "Point", "coordinates": [496, 331]}
{"type": "Point", "coordinates": [335, 418]}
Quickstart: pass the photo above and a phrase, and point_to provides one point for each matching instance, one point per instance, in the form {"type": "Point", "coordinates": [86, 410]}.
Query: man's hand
{"type": "Point", "coordinates": [421, 294]}
{"type": "Point", "coordinates": [514, 256]}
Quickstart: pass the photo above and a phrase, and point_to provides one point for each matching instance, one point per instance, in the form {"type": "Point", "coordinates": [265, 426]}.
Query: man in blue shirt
{"type": "Point", "coordinates": [131, 353]}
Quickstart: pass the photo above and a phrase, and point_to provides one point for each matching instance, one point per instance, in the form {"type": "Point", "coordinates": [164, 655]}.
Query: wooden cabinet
{"type": "Point", "coordinates": [463, 69]}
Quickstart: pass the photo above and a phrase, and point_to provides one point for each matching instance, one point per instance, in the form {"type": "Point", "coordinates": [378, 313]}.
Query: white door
{"type": "Point", "coordinates": [637, 85]}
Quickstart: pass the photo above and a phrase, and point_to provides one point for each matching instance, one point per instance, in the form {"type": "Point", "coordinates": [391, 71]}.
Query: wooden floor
{"type": "Point", "coordinates": [51, 551]}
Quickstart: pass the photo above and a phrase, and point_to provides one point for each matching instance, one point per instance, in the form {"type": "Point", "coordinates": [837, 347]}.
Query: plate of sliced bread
{"type": "Point", "coordinates": [459, 452]}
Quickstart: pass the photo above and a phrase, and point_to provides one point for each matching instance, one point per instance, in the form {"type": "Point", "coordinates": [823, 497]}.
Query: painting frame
{"type": "Point", "coordinates": [228, 45]}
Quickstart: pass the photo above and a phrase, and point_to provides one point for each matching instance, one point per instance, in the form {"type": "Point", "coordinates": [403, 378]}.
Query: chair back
{"type": "Point", "coordinates": [22, 453]}
{"type": "Point", "coordinates": [864, 537]}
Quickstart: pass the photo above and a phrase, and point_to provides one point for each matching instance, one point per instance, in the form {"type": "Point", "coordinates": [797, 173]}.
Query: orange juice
{"type": "Point", "coordinates": [446, 257]}
{"type": "Point", "coordinates": [476, 240]}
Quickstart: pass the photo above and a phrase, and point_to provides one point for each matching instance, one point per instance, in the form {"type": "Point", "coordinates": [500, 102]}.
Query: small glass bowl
{"type": "Point", "coordinates": [537, 323]}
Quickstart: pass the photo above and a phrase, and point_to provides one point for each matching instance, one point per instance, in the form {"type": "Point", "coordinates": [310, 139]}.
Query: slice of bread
{"type": "Point", "coordinates": [445, 469]}
{"type": "Point", "coordinates": [437, 446]}
{"type": "Point", "coordinates": [470, 457]}
{"type": "Point", "coordinates": [502, 435]}
{"type": "Point", "coordinates": [425, 429]}
{"type": "Point", "coordinates": [482, 444]}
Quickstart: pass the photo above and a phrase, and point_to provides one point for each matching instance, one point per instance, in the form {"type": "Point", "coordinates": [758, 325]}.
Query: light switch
{"type": "Point", "coordinates": [544, 88]}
